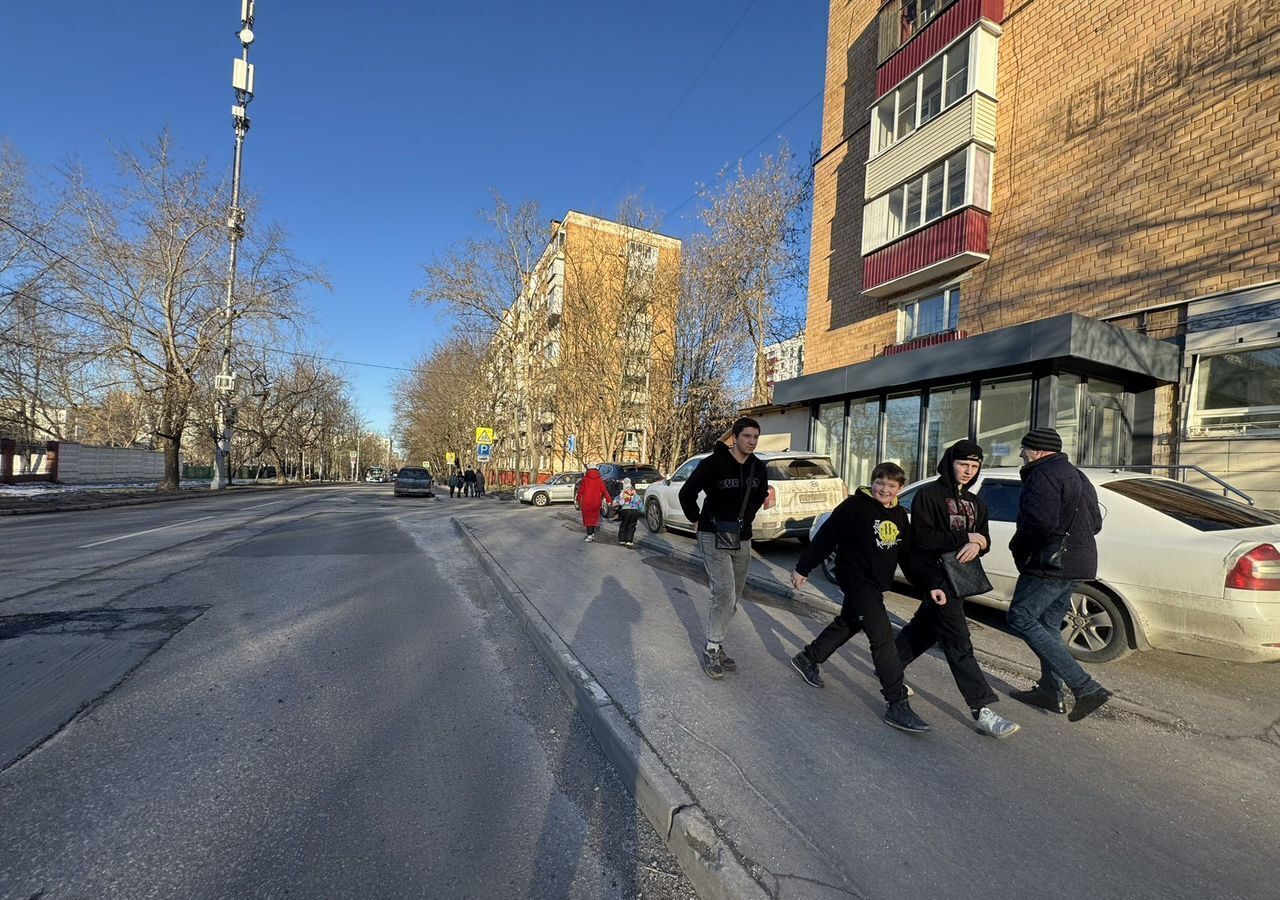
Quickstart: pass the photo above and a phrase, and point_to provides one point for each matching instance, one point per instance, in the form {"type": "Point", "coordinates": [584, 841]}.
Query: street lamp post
{"type": "Point", "coordinates": [225, 385]}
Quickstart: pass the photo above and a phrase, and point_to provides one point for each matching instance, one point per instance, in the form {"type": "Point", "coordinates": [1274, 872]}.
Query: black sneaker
{"type": "Point", "coordinates": [901, 716]}
{"type": "Point", "coordinates": [1039, 697]}
{"type": "Point", "coordinates": [728, 663]}
{"type": "Point", "coordinates": [1089, 703]}
{"type": "Point", "coordinates": [711, 664]}
{"type": "Point", "coordinates": [807, 668]}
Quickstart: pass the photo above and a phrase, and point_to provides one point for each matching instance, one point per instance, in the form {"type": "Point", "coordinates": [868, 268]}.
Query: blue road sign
{"type": "Point", "coordinates": [573, 443]}
{"type": "Point", "coordinates": [482, 452]}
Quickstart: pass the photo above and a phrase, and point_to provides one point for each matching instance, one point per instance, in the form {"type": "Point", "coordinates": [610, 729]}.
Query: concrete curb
{"type": "Point", "coordinates": [823, 605]}
{"type": "Point", "coordinates": [706, 857]}
{"type": "Point", "coordinates": [104, 503]}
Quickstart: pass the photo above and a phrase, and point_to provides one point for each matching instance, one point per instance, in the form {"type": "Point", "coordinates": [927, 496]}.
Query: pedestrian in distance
{"type": "Point", "coordinates": [869, 532]}
{"type": "Point", "coordinates": [736, 485]}
{"type": "Point", "coordinates": [630, 506]}
{"type": "Point", "coordinates": [593, 496]}
{"type": "Point", "coordinates": [469, 483]}
{"type": "Point", "coordinates": [1054, 548]}
{"type": "Point", "coordinates": [948, 519]}
{"type": "Point", "coordinates": [480, 482]}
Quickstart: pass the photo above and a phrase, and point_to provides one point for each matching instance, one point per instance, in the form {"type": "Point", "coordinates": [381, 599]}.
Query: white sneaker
{"type": "Point", "coordinates": [590, 539]}
{"type": "Point", "coordinates": [992, 725]}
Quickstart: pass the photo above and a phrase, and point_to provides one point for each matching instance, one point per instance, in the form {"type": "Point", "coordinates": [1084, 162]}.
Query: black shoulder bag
{"type": "Point", "coordinates": [964, 579]}
{"type": "Point", "coordinates": [728, 532]}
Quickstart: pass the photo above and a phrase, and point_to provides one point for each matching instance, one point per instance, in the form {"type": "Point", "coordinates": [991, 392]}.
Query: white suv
{"type": "Point", "coordinates": [802, 485]}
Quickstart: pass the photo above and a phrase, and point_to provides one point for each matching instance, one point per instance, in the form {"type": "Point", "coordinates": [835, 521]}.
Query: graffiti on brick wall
{"type": "Point", "coordinates": [1208, 42]}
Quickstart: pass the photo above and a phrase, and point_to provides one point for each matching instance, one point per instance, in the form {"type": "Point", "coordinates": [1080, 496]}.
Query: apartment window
{"type": "Point", "coordinates": [924, 96]}
{"type": "Point", "coordinates": [932, 314]}
{"type": "Point", "coordinates": [1238, 393]}
{"type": "Point", "coordinates": [942, 189]}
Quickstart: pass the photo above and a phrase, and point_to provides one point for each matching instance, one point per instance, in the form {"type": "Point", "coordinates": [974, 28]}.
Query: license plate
{"type": "Point", "coordinates": [812, 498]}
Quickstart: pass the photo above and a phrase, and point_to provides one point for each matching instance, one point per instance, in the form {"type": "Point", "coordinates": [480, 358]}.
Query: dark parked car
{"type": "Point", "coordinates": [612, 473]}
{"type": "Point", "coordinates": [412, 481]}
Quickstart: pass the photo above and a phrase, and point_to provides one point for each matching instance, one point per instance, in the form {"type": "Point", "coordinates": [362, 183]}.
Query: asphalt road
{"type": "Point", "coordinates": [312, 695]}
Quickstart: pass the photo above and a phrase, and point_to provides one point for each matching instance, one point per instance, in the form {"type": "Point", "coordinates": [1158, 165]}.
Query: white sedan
{"type": "Point", "coordinates": [1179, 569]}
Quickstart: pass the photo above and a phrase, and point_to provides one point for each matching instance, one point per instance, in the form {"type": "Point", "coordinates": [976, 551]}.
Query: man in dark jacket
{"type": "Point", "coordinates": [736, 485]}
{"type": "Point", "coordinates": [1054, 550]}
{"type": "Point", "coordinates": [948, 518]}
{"type": "Point", "coordinates": [867, 531]}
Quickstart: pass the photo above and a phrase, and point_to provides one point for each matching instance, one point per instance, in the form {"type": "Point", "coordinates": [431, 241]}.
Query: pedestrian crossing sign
{"type": "Point", "coordinates": [484, 436]}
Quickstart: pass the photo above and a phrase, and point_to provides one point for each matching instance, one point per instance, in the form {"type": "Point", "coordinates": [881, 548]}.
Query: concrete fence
{"type": "Point", "coordinates": [66, 463]}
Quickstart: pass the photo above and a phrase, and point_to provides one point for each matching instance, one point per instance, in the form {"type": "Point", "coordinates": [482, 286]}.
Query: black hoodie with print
{"type": "Point", "coordinates": [943, 514]}
{"type": "Point", "coordinates": [724, 480]}
{"type": "Point", "coordinates": [868, 538]}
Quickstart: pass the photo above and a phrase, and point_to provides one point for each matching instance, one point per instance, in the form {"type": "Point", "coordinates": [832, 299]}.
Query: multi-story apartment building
{"type": "Point", "coordinates": [585, 353]}
{"type": "Point", "coordinates": [1048, 213]}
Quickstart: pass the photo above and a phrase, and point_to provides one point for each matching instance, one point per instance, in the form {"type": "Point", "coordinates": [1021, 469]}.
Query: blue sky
{"type": "Point", "coordinates": [379, 129]}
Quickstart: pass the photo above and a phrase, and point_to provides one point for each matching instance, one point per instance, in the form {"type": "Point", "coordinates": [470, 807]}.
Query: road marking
{"type": "Point", "coordinates": [261, 505]}
{"type": "Point", "coordinates": [139, 533]}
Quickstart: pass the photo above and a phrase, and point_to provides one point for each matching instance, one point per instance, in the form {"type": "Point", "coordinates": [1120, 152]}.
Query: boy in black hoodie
{"type": "Point", "coordinates": [867, 531]}
{"type": "Point", "coordinates": [948, 518]}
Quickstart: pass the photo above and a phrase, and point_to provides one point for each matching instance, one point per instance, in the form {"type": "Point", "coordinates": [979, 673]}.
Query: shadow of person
{"type": "Point", "coordinates": [587, 785]}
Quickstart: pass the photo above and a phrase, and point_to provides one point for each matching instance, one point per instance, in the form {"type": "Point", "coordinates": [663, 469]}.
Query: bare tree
{"type": "Point", "coordinates": [755, 251]}
{"type": "Point", "coordinates": [150, 276]}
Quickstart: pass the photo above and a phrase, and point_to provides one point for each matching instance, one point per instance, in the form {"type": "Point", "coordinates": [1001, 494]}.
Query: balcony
{"type": "Point", "coordinates": [947, 247]}
{"type": "Point", "coordinates": [906, 46]}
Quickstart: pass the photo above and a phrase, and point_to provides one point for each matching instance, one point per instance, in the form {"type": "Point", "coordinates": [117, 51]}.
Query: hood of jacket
{"type": "Point", "coordinates": [592, 475]}
{"type": "Point", "coordinates": [961, 449]}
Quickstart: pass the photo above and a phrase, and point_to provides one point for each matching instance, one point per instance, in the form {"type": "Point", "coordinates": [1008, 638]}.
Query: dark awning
{"type": "Point", "coordinates": [1098, 345]}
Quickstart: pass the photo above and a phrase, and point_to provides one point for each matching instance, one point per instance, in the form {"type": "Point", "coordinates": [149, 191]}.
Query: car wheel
{"type": "Point", "coordinates": [653, 516]}
{"type": "Point", "coordinates": [1094, 629]}
{"type": "Point", "coordinates": [541, 499]}
{"type": "Point", "coordinates": [829, 568]}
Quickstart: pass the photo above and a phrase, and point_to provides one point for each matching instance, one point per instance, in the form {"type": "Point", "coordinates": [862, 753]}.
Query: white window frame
{"type": "Point", "coordinates": [950, 311]}
{"type": "Point", "coordinates": [916, 81]}
{"type": "Point", "coordinates": [921, 180]}
{"type": "Point", "coordinates": [1196, 420]}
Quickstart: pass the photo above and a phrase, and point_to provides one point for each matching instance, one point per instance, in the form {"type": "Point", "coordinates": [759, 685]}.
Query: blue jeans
{"type": "Point", "coordinates": [1036, 613]}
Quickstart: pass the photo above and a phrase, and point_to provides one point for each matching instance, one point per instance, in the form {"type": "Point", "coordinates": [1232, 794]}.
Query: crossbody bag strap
{"type": "Point", "coordinates": [746, 495]}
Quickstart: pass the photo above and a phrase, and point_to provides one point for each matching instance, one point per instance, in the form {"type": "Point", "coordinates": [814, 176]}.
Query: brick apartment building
{"type": "Point", "coordinates": [583, 360]}
{"type": "Point", "coordinates": [1048, 212]}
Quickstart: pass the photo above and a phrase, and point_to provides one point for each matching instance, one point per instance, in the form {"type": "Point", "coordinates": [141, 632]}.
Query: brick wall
{"type": "Point", "coordinates": [1137, 162]}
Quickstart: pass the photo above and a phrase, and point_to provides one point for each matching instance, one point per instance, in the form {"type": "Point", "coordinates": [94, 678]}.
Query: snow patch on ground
{"type": "Point", "coordinates": [47, 489]}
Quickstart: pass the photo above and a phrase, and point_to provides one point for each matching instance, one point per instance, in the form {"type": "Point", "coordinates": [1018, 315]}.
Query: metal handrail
{"type": "Point", "coordinates": [1183, 468]}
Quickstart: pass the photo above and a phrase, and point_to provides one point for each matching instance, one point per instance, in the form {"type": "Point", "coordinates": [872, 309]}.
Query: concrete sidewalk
{"type": "Point", "coordinates": [808, 794]}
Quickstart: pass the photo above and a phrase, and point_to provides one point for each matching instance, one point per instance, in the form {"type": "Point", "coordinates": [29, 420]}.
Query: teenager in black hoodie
{"type": "Point", "coordinates": [736, 485]}
{"type": "Point", "coordinates": [867, 531]}
{"type": "Point", "coordinates": [948, 518]}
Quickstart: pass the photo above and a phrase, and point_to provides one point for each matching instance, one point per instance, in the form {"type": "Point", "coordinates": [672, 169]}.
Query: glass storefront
{"type": "Point", "coordinates": [1066, 416]}
{"type": "Point", "coordinates": [1004, 416]}
{"type": "Point", "coordinates": [902, 433]}
{"type": "Point", "coordinates": [864, 441]}
{"type": "Point", "coordinates": [948, 422]}
{"type": "Point", "coordinates": [828, 431]}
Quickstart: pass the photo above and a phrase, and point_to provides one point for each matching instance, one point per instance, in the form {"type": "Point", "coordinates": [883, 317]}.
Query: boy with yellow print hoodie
{"type": "Point", "coordinates": [869, 532]}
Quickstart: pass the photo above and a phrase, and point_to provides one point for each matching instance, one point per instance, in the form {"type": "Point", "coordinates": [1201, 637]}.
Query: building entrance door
{"type": "Point", "coordinates": [1108, 437]}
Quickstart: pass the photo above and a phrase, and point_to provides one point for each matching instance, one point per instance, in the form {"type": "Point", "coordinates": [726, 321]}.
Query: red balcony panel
{"type": "Point", "coordinates": [954, 22]}
{"type": "Point", "coordinates": [950, 245]}
{"type": "Point", "coordinates": [929, 340]}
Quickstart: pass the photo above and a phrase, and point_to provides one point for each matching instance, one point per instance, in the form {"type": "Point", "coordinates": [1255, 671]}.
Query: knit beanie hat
{"type": "Point", "coordinates": [1043, 439]}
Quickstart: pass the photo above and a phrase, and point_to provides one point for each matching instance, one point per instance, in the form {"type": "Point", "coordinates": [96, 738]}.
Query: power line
{"type": "Point", "coordinates": [683, 97]}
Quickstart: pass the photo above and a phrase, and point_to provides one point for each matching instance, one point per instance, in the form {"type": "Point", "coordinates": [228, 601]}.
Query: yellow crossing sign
{"type": "Point", "coordinates": [484, 435]}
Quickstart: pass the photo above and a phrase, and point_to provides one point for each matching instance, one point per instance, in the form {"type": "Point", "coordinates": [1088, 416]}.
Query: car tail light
{"type": "Point", "coordinates": [771, 499]}
{"type": "Point", "coordinates": [1257, 570]}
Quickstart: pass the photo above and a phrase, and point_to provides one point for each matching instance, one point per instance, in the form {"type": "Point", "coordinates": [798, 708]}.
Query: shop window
{"type": "Point", "coordinates": [863, 441]}
{"type": "Point", "coordinates": [1004, 416]}
{"type": "Point", "coordinates": [902, 433]}
{"type": "Point", "coordinates": [1237, 393]}
{"type": "Point", "coordinates": [948, 422]}
{"type": "Point", "coordinates": [932, 314]}
{"type": "Point", "coordinates": [1067, 412]}
{"type": "Point", "coordinates": [828, 431]}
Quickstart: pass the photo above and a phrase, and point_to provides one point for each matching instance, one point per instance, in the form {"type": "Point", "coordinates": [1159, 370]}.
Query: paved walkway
{"type": "Point", "coordinates": [816, 797]}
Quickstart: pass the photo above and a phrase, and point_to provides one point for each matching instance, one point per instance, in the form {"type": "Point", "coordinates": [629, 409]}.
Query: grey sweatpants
{"type": "Point", "coordinates": [727, 573]}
